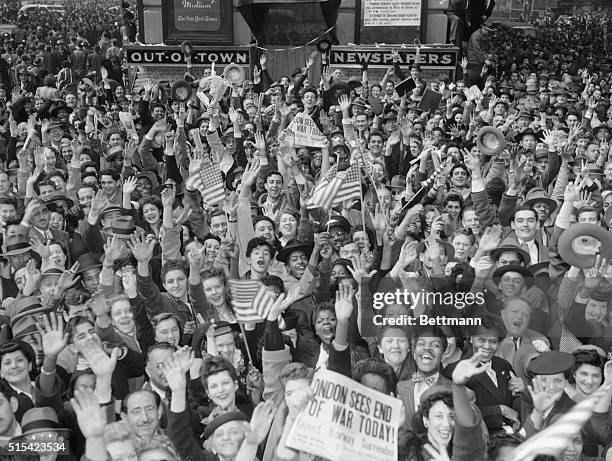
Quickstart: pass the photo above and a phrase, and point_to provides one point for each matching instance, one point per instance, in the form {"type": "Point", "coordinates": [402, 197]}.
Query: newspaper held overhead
{"type": "Point", "coordinates": [306, 131]}
{"type": "Point", "coordinates": [347, 420]}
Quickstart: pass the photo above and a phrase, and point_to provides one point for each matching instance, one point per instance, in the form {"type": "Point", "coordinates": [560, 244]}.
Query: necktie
{"type": "Point", "coordinates": [168, 397]}
{"type": "Point", "coordinates": [525, 247]}
{"type": "Point", "coordinates": [419, 378]}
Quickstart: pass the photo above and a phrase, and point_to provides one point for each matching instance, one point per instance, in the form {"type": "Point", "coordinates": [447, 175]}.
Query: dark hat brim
{"type": "Point", "coordinates": [499, 250]}
{"type": "Point", "coordinates": [499, 273]}
{"type": "Point", "coordinates": [285, 252]}
{"type": "Point", "coordinates": [548, 201]}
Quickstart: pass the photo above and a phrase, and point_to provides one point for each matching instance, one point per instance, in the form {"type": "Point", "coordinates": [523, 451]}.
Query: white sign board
{"type": "Point", "coordinates": [347, 421]}
{"type": "Point", "coordinates": [391, 13]}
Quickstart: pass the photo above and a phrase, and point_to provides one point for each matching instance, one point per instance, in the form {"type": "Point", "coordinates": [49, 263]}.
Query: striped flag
{"type": "Point", "coordinates": [251, 300]}
{"type": "Point", "coordinates": [350, 189]}
{"type": "Point", "coordinates": [324, 192]}
{"type": "Point", "coordinates": [568, 342]}
{"type": "Point", "coordinates": [209, 182]}
{"type": "Point", "coordinates": [335, 188]}
{"type": "Point", "coordinates": [556, 438]}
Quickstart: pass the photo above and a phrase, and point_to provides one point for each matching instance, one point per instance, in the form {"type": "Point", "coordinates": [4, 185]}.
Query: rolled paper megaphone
{"type": "Point", "coordinates": [181, 91]}
{"type": "Point", "coordinates": [490, 141]}
{"type": "Point", "coordinates": [234, 73]}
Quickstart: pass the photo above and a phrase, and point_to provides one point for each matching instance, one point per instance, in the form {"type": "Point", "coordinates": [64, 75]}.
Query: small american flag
{"type": "Point", "coordinates": [324, 192]}
{"type": "Point", "coordinates": [554, 439]}
{"type": "Point", "coordinates": [350, 189]}
{"type": "Point", "coordinates": [251, 300]}
{"type": "Point", "coordinates": [209, 182]}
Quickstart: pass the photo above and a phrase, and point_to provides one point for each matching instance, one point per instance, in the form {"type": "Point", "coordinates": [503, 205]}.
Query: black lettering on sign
{"type": "Point", "coordinates": [443, 57]}
{"type": "Point", "coordinates": [173, 56]}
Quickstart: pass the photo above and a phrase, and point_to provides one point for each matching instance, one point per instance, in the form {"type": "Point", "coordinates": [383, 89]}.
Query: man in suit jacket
{"type": "Point", "coordinates": [36, 218]}
{"type": "Point", "coordinates": [498, 390]}
{"type": "Point", "coordinates": [524, 233]}
{"type": "Point", "coordinates": [428, 344]}
{"type": "Point", "coordinates": [521, 344]}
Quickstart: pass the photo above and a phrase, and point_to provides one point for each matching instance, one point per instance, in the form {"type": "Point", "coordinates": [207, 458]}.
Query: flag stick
{"type": "Point", "coordinates": [246, 343]}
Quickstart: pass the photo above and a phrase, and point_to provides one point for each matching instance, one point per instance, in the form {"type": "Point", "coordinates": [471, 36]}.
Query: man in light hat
{"type": "Point", "coordinates": [37, 218]}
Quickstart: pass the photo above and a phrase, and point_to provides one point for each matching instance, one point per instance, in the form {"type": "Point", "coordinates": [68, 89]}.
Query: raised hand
{"type": "Point", "coordinates": [257, 430]}
{"type": "Point", "coordinates": [184, 358]}
{"type": "Point", "coordinates": [233, 115]}
{"type": "Point", "coordinates": [98, 203]}
{"type": "Point", "coordinates": [516, 384]}
{"type": "Point", "coordinates": [98, 305]}
{"type": "Point", "coordinates": [130, 287]}
{"type": "Point", "coordinates": [129, 185]}
{"type": "Point", "coordinates": [249, 177]}
{"type": "Point", "coordinates": [468, 368]}
{"type": "Point", "coordinates": [260, 143]}
{"type": "Point", "coordinates": [394, 138]}
{"type": "Point", "coordinates": [68, 279]}
{"type": "Point", "coordinates": [408, 253]}
{"type": "Point", "coordinates": [549, 138]}
{"type": "Point", "coordinates": [39, 157]}
{"type": "Point", "coordinates": [101, 363]}
{"type": "Point", "coordinates": [542, 400]}
{"type": "Point", "coordinates": [435, 454]}
{"type": "Point", "coordinates": [90, 415]}
{"type": "Point", "coordinates": [40, 247]}
{"type": "Point", "coordinates": [51, 329]}
{"type": "Point", "coordinates": [141, 249]}
{"type": "Point", "coordinates": [491, 238]}
{"type": "Point", "coordinates": [344, 102]}
{"type": "Point", "coordinates": [167, 196]}
{"type": "Point", "coordinates": [344, 301]}
{"type": "Point", "coordinates": [359, 271]}
{"type": "Point", "coordinates": [593, 276]}
{"type": "Point", "coordinates": [572, 193]}
{"type": "Point", "coordinates": [175, 375]}
{"type": "Point", "coordinates": [472, 162]}
{"type": "Point", "coordinates": [113, 248]}
{"type": "Point", "coordinates": [379, 219]}
{"type": "Point", "coordinates": [608, 372]}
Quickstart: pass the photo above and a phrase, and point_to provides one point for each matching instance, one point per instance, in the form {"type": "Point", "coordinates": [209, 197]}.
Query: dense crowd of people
{"type": "Point", "coordinates": [123, 244]}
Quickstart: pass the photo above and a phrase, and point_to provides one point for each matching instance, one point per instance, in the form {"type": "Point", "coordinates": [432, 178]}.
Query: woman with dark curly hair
{"type": "Point", "coordinates": [587, 375]}
{"type": "Point", "coordinates": [151, 211]}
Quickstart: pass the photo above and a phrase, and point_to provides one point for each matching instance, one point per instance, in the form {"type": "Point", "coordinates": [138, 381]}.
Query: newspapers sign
{"type": "Point", "coordinates": [347, 420]}
{"type": "Point", "coordinates": [391, 13]}
{"type": "Point", "coordinates": [442, 57]}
